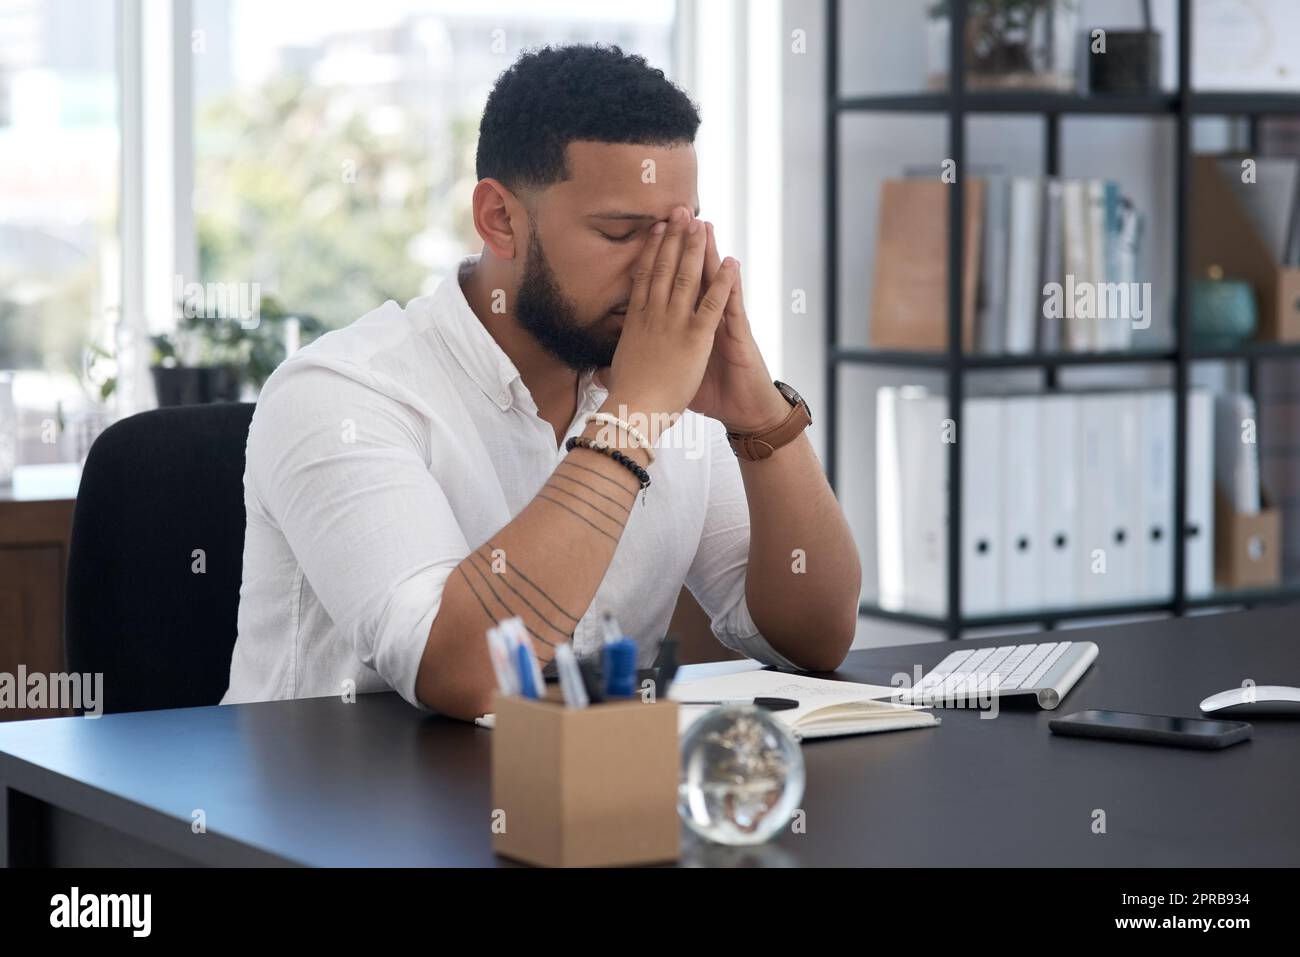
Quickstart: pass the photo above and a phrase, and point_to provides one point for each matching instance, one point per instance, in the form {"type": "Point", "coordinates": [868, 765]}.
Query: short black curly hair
{"type": "Point", "coordinates": [555, 95]}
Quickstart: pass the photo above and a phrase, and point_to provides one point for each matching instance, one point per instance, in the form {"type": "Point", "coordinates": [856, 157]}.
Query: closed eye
{"type": "Point", "coordinates": [621, 238]}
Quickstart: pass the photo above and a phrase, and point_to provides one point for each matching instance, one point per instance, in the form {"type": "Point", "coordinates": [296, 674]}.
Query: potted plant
{"type": "Point", "coordinates": [1009, 44]}
{"type": "Point", "coordinates": [218, 358]}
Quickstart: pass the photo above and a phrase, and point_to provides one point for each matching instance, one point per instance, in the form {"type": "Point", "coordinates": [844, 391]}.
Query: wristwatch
{"type": "Point", "coordinates": [754, 446]}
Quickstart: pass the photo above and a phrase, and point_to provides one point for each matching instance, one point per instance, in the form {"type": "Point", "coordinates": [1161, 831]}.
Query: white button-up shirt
{"type": "Point", "coordinates": [383, 453]}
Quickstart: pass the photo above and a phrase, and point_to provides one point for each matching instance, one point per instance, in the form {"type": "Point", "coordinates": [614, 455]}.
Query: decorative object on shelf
{"type": "Point", "coordinates": [1223, 310]}
{"type": "Point", "coordinates": [218, 359]}
{"type": "Point", "coordinates": [1122, 61]}
{"type": "Point", "coordinates": [1247, 46]}
{"type": "Point", "coordinates": [1224, 233]}
{"type": "Point", "coordinates": [1009, 44]}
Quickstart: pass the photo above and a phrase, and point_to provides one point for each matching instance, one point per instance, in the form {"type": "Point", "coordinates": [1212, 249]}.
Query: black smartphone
{"type": "Point", "coordinates": [1152, 729]}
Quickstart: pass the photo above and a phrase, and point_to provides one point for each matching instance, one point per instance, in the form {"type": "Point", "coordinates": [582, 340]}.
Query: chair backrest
{"type": "Point", "coordinates": [156, 556]}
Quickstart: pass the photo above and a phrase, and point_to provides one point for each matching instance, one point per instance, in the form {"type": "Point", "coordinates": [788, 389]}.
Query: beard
{"type": "Point", "coordinates": [552, 320]}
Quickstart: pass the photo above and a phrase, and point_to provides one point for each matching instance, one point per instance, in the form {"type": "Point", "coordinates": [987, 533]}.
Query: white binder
{"type": "Point", "coordinates": [1094, 463]}
{"type": "Point", "coordinates": [889, 502]}
{"type": "Point", "coordinates": [1156, 529]}
{"type": "Point", "coordinates": [1124, 557]}
{"type": "Point", "coordinates": [911, 502]}
{"type": "Point", "coordinates": [1236, 460]}
{"type": "Point", "coordinates": [981, 441]}
{"type": "Point", "coordinates": [925, 477]}
{"type": "Point", "coordinates": [1108, 510]}
{"type": "Point", "coordinates": [1021, 548]}
{"type": "Point", "coordinates": [1058, 499]}
{"type": "Point", "coordinates": [1199, 544]}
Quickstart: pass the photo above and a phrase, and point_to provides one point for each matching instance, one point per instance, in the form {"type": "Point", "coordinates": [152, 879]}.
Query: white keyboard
{"type": "Point", "coordinates": [1048, 671]}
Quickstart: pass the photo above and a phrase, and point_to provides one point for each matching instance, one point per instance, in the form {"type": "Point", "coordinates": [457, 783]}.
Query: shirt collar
{"type": "Point", "coordinates": [485, 362]}
{"type": "Point", "coordinates": [470, 343]}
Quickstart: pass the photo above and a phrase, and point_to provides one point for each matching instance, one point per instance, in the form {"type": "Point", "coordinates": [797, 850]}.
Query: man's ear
{"type": "Point", "coordinates": [500, 219]}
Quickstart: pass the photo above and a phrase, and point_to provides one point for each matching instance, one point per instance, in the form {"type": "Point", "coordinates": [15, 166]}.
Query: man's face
{"type": "Point", "coordinates": [587, 234]}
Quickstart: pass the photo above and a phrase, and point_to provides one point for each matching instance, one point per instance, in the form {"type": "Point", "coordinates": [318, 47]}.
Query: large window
{"type": "Point", "coordinates": [59, 250]}
{"type": "Point", "coordinates": [334, 142]}
{"type": "Point", "coordinates": [320, 149]}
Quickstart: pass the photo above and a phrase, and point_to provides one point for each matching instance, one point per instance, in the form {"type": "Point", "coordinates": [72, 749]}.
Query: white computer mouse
{"type": "Point", "coordinates": [1254, 700]}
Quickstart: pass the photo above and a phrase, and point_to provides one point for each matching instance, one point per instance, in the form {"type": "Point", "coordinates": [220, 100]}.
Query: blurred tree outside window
{"type": "Point", "coordinates": [59, 201]}
{"type": "Point", "coordinates": [334, 150]}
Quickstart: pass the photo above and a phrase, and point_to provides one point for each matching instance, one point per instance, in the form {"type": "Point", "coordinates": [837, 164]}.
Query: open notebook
{"type": "Point", "coordinates": [826, 708]}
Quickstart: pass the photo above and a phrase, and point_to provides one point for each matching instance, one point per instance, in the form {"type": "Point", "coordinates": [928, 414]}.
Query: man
{"type": "Point", "coordinates": [408, 482]}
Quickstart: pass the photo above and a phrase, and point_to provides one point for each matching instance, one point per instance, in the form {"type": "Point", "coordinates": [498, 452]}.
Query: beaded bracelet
{"type": "Point", "coordinates": [581, 441]}
{"type": "Point", "coordinates": [636, 435]}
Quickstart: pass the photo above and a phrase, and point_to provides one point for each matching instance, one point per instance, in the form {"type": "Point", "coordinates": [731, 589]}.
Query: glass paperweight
{"type": "Point", "coordinates": [742, 776]}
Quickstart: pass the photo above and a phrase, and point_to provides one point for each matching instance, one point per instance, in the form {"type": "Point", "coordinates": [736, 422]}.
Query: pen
{"type": "Point", "coordinates": [511, 645]}
{"type": "Point", "coordinates": [531, 684]}
{"type": "Point", "coordinates": [591, 681]}
{"type": "Point", "coordinates": [566, 664]}
{"type": "Point", "coordinates": [527, 687]}
{"type": "Point", "coordinates": [665, 668]}
{"type": "Point", "coordinates": [620, 661]}
{"type": "Point", "coordinates": [767, 704]}
{"type": "Point", "coordinates": [499, 653]}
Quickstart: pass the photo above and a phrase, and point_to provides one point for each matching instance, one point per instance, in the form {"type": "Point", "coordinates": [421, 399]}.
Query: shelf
{"type": "Point", "coordinates": [1181, 106]}
{"type": "Point", "coordinates": [1053, 615]}
{"type": "Point", "coordinates": [887, 357]}
{"type": "Point", "coordinates": [1280, 594]}
{"type": "Point", "coordinates": [1138, 357]}
{"type": "Point", "coordinates": [1043, 102]}
{"type": "Point", "coordinates": [902, 617]}
{"type": "Point", "coordinates": [1244, 104]}
{"type": "Point", "coordinates": [1248, 350]}
{"type": "Point", "coordinates": [1011, 101]}
{"type": "Point", "coordinates": [892, 103]}
{"type": "Point", "coordinates": [940, 360]}
{"type": "Point", "coordinates": [1027, 617]}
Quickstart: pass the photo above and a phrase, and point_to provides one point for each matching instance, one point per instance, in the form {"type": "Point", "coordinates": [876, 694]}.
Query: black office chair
{"type": "Point", "coordinates": [156, 488]}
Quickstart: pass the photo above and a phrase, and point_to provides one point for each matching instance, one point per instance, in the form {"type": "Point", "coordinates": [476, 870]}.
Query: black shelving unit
{"type": "Point", "coordinates": [1182, 104]}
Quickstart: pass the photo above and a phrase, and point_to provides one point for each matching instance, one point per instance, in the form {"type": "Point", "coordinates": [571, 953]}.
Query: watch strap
{"type": "Point", "coordinates": [756, 446]}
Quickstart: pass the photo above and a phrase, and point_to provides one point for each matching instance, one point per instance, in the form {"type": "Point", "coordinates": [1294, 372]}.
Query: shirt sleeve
{"type": "Point", "coordinates": [717, 574]}
{"type": "Point", "coordinates": [341, 468]}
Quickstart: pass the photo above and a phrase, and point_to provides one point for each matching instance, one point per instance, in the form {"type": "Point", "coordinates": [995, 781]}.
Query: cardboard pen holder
{"type": "Point", "coordinates": [1247, 548]}
{"type": "Point", "coordinates": [585, 787]}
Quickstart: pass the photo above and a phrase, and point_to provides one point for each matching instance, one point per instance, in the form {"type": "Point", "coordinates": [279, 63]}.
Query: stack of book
{"type": "Point", "coordinates": [1060, 267]}
{"type": "Point", "coordinates": [1050, 265]}
{"type": "Point", "coordinates": [1067, 499]}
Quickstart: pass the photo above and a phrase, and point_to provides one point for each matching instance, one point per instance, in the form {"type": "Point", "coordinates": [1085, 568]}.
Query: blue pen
{"type": "Point", "coordinates": [527, 687]}
{"type": "Point", "coordinates": [523, 658]}
{"type": "Point", "coordinates": [620, 661]}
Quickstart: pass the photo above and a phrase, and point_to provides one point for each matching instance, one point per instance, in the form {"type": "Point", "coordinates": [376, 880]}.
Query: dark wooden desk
{"type": "Point", "coordinates": [35, 525]}
{"type": "Point", "coordinates": [321, 782]}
